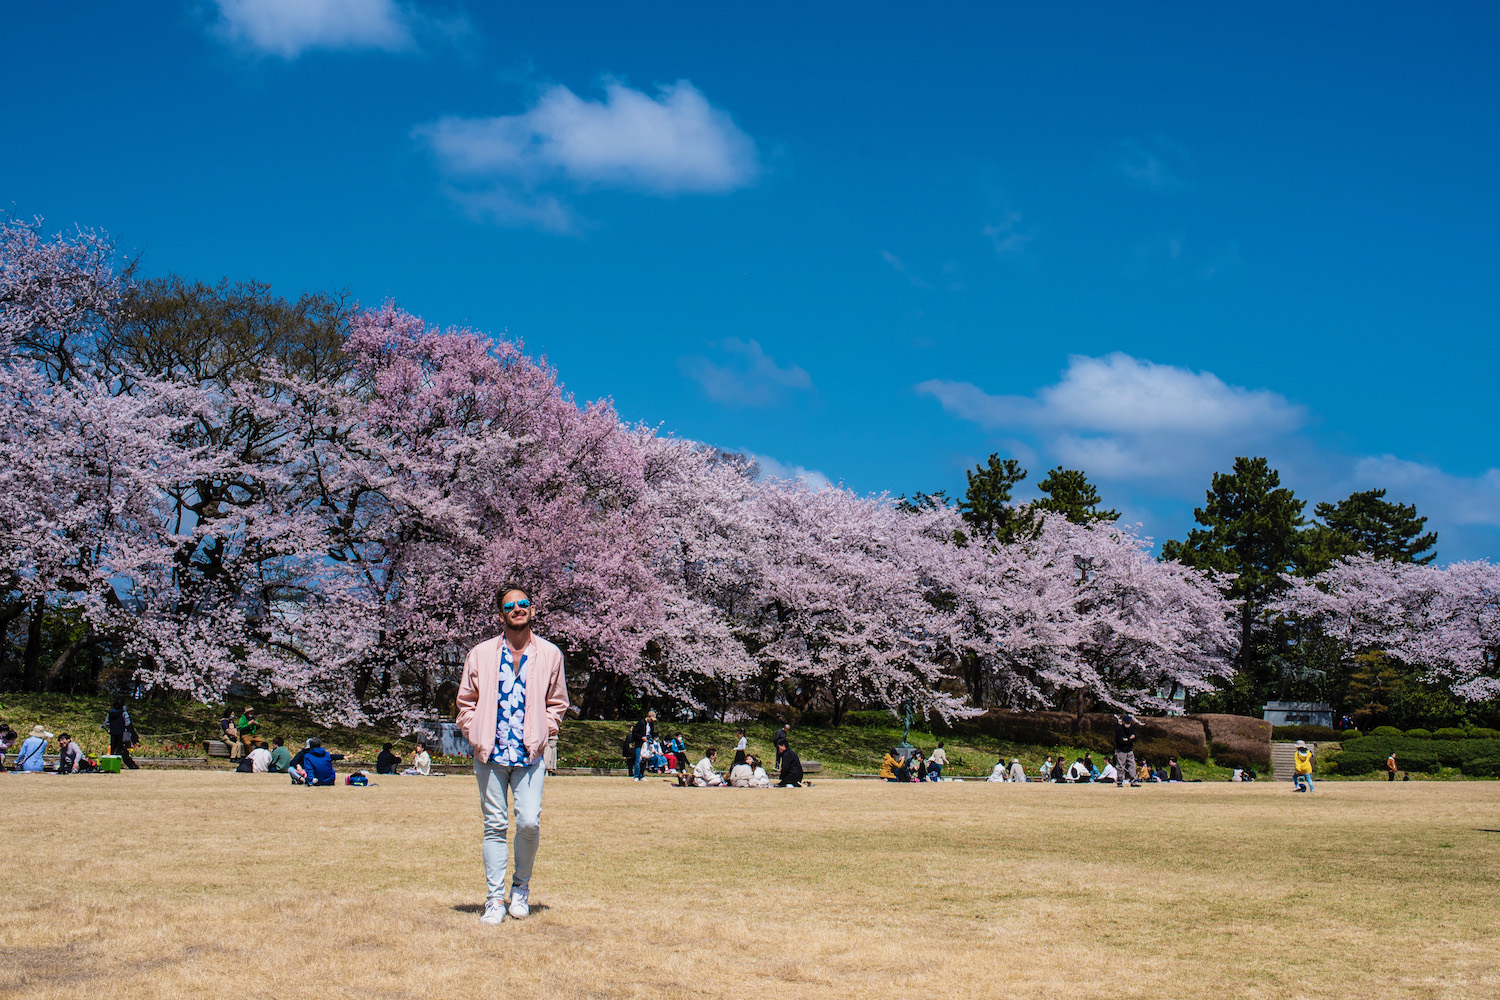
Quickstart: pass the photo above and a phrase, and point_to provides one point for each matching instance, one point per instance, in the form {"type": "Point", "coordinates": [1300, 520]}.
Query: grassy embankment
{"type": "Point", "coordinates": [175, 728]}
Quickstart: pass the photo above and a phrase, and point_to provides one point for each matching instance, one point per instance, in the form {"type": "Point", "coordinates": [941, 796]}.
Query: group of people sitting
{"type": "Point", "coordinates": [1083, 770]}
{"type": "Point", "coordinates": [313, 764]}
{"type": "Point", "coordinates": [899, 766]}
{"type": "Point", "coordinates": [71, 757]}
{"type": "Point", "coordinates": [745, 771]}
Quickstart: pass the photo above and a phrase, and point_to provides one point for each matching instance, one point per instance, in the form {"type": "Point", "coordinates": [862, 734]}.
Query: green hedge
{"type": "Point", "coordinates": [1473, 756]}
{"type": "Point", "coordinates": [1419, 734]}
{"type": "Point", "coordinates": [1386, 731]}
{"type": "Point", "coordinates": [1312, 734]}
{"type": "Point", "coordinates": [1449, 734]}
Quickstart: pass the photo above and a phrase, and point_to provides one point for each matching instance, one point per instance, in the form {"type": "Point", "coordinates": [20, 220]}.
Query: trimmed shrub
{"type": "Point", "coordinates": [1349, 734]}
{"type": "Point", "coordinates": [1418, 734]}
{"type": "Point", "coordinates": [1312, 734]}
{"type": "Point", "coordinates": [1238, 737]}
{"type": "Point", "coordinates": [1481, 733]}
{"type": "Point", "coordinates": [1483, 767]}
{"type": "Point", "coordinates": [1448, 734]}
{"type": "Point", "coordinates": [1386, 731]}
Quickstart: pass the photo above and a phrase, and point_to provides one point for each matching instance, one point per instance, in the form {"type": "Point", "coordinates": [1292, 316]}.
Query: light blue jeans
{"type": "Point", "coordinates": [1299, 779]}
{"type": "Point", "coordinates": [496, 785]}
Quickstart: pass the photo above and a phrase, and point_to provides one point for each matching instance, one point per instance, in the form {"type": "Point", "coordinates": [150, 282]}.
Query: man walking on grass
{"type": "Point", "coordinates": [1125, 751]}
{"type": "Point", "coordinates": [511, 698]}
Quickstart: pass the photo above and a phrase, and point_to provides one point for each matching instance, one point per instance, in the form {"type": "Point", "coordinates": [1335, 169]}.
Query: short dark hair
{"type": "Point", "coordinates": [506, 588]}
{"type": "Point", "coordinates": [385, 746]}
{"type": "Point", "coordinates": [278, 741]}
{"type": "Point", "coordinates": [711, 752]}
{"type": "Point", "coordinates": [64, 736]}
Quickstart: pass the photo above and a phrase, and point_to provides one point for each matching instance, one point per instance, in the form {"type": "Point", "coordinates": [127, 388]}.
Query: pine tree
{"type": "Point", "coordinates": [1252, 528]}
{"type": "Point", "coordinates": [987, 505]}
{"type": "Point", "coordinates": [1367, 522]}
{"type": "Point", "coordinates": [1068, 492]}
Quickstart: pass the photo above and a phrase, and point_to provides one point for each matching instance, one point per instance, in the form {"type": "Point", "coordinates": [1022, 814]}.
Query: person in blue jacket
{"type": "Point", "coordinates": [317, 764]}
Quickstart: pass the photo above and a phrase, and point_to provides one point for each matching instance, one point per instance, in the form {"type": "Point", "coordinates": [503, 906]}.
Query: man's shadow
{"type": "Point", "coordinates": [479, 908]}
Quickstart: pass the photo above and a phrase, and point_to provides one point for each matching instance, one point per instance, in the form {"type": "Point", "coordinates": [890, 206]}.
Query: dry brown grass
{"type": "Point", "coordinates": [186, 884]}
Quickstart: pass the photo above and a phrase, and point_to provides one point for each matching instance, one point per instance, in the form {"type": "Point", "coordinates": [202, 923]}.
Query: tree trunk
{"type": "Point", "coordinates": [32, 670]}
{"type": "Point", "coordinates": [55, 671]}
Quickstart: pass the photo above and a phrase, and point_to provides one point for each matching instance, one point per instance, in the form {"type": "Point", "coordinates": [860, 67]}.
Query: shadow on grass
{"type": "Point", "coordinates": [479, 908]}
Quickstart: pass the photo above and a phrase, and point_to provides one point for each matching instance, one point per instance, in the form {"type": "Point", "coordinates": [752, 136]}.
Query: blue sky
{"type": "Point", "coordinates": [868, 242]}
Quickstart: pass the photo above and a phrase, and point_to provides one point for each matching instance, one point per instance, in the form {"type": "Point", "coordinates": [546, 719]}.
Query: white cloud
{"type": "Point", "coordinates": [287, 28]}
{"type": "Point", "coordinates": [750, 378]}
{"type": "Point", "coordinates": [1157, 164]}
{"type": "Point", "coordinates": [1449, 499]}
{"type": "Point", "coordinates": [770, 468]}
{"type": "Point", "coordinates": [675, 142]}
{"type": "Point", "coordinates": [1122, 417]}
{"type": "Point", "coordinates": [899, 266]}
{"type": "Point", "coordinates": [1007, 236]}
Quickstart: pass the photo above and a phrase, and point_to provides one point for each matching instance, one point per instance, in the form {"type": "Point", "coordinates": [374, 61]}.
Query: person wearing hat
{"type": "Point", "coordinates": [1125, 751]}
{"type": "Point", "coordinates": [1017, 772]}
{"type": "Point", "coordinates": [29, 757]}
{"type": "Point", "coordinates": [1302, 768]}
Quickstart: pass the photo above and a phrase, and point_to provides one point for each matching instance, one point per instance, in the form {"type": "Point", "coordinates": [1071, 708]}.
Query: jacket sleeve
{"type": "Point", "coordinates": [557, 698]}
{"type": "Point", "coordinates": [468, 693]}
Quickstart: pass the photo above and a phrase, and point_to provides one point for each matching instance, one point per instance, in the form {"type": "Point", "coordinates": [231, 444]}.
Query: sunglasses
{"type": "Point", "coordinates": [513, 605]}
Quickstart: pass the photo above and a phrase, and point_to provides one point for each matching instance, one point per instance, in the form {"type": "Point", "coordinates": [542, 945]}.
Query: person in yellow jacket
{"type": "Point", "coordinates": [1302, 768]}
{"type": "Point", "coordinates": [889, 766]}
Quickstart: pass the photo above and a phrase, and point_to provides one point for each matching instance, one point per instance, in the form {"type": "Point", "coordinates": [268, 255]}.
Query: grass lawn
{"type": "Point", "coordinates": [189, 884]}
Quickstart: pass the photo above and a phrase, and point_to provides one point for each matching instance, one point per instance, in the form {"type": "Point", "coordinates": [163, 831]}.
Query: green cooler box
{"type": "Point", "coordinates": [109, 765]}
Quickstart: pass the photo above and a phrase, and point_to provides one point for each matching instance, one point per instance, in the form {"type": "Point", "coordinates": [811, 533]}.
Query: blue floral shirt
{"type": "Point", "coordinates": [510, 712]}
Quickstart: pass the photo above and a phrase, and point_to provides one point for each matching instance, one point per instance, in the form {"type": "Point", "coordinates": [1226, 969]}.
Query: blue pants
{"type": "Point", "coordinates": [635, 762]}
{"type": "Point", "coordinates": [496, 785]}
{"type": "Point", "coordinates": [934, 772]}
{"type": "Point", "coordinates": [1298, 780]}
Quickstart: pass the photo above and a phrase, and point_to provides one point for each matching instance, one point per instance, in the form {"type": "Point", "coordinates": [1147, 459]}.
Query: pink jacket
{"type": "Point", "coordinates": [478, 690]}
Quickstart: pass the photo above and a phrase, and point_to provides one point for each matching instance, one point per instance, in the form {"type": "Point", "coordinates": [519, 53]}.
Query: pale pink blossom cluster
{"type": "Point", "coordinates": [1444, 620]}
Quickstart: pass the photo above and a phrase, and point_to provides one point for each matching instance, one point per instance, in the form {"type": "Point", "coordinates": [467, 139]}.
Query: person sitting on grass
{"type": "Point", "coordinates": [260, 760]}
{"type": "Point", "coordinates": [936, 763]}
{"type": "Point", "coordinates": [1000, 772]}
{"type": "Point", "coordinates": [890, 765]}
{"type": "Point", "coordinates": [70, 756]}
{"type": "Point", "coordinates": [704, 775]}
{"type": "Point", "coordinates": [317, 764]}
{"type": "Point", "coordinates": [1143, 773]}
{"type": "Point", "coordinates": [1109, 773]}
{"type": "Point", "coordinates": [677, 754]}
{"type": "Point", "coordinates": [281, 757]}
{"type": "Point", "coordinates": [758, 776]}
{"type": "Point", "coordinates": [1088, 763]}
{"type": "Point", "coordinates": [297, 768]}
{"type": "Point", "coordinates": [658, 763]}
{"type": "Point", "coordinates": [1174, 770]}
{"type": "Point", "coordinates": [8, 739]}
{"type": "Point", "coordinates": [386, 762]}
{"type": "Point", "coordinates": [1045, 771]}
{"type": "Point", "coordinates": [1302, 768]}
{"type": "Point", "coordinates": [791, 769]}
{"type": "Point", "coordinates": [740, 771]}
{"type": "Point", "coordinates": [1017, 772]}
{"type": "Point", "coordinates": [1079, 772]}
{"type": "Point", "coordinates": [29, 757]}
{"type": "Point", "coordinates": [1059, 774]}
{"type": "Point", "coordinates": [421, 761]}
{"type": "Point", "coordinates": [916, 767]}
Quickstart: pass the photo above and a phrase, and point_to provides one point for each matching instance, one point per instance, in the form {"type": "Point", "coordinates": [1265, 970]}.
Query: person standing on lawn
{"type": "Point", "coordinates": [1302, 768]}
{"type": "Point", "coordinates": [121, 734]}
{"type": "Point", "coordinates": [640, 735]}
{"type": "Point", "coordinates": [511, 699]}
{"type": "Point", "coordinates": [1390, 767]}
{"type": "Point", "coordinates": [1125, 751]}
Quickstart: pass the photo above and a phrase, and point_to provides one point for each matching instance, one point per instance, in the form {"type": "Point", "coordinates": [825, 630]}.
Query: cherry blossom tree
{"type": "Point", "coordinates": [1443, 620]}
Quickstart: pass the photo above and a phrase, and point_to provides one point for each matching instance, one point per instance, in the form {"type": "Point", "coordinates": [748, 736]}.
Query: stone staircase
{"type": "Point", "coordinates": [1282, 755]}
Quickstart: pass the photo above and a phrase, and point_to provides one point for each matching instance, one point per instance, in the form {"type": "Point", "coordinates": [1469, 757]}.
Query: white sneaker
{"type": "Point", "coordinates": [520, 901]}
{"type": "Point", "coordinates": [494, 910]}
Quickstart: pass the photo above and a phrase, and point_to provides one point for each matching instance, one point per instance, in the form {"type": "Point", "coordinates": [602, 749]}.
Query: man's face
{"type": "Point", "coordinates": [515, 608]}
